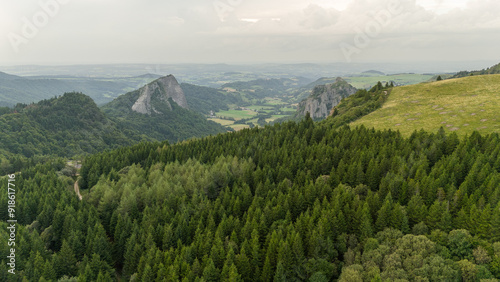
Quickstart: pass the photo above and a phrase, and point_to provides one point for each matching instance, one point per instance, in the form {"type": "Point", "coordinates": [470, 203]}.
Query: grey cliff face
{"type": "Point", "coordinates": [324, 98]}
{"type": "Point", "coordinates": [159, 90]}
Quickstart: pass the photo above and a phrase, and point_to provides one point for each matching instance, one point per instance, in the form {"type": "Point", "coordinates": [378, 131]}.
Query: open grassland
{"type": "Point", "coordinates": [269, 109]}
{"type": "Point", "coordinates": [275, 117]}
{"type": "Point", "coordinates": [222, 122]}
{"type": "Point", "coordinates": [261, 108]}
{"type": "Point", "coordinates": [459, 105]}
{"type": "Point", "coordinates": [274, 101]}
{"type": "Point", "coordinates": [238, 127]}
{"type": "Point", "coordinates": [236, 114]}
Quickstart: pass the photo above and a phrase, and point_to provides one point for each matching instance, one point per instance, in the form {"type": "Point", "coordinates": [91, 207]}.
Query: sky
{"type": "Point", "coordinates": [62, 32]}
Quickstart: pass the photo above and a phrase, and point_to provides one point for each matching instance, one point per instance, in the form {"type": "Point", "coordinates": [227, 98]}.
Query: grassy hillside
{"type": "Point", "coordinates": [459, 105]}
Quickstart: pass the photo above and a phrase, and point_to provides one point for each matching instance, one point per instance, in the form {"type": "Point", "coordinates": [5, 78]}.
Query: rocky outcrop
{"type": "Point", "coordinates": [324, 97]}
{"type": "Point", "coordinates": [159, 91]}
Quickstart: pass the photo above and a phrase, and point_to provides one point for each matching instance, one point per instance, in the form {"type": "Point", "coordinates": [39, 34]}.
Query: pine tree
{"type": "Point", "coordinates": [234, 276]}
{"type": "Point", "coordinates": [495, 225]}
{"type": "Point", "coordinates": [416, 210]}
{"type": "Point", "coordinates": [244, 266]}
{"type": "Point", "coordinates": [366, 230]}
{"type": "Point", "coordinates": [65, 261]}
{"type": "Point", "coordinates": [255, 253]}
{"type": "Point", "coordinates": [280, 275]}
{"type": "Point", "coordinates": [147, 274]}
{"type": "Point", "coordinates": [434, 216]}
{"type": "Point", "coordinates": [217, 253]}
{"type": "Point", "coordinates": [105, 277]}
{"type": "Point", "coordinates": [210, 273]}
{"type": "Point", "coordinates": [384, 214]}
{"type": "Point", "coordinates": [446, 223]}
{"type": "Point", "coordinates": [267, 270]}
{"type": "Point", "coordinates": [484, 223]}
{"type": "Point", "coordinates": [48, 271]}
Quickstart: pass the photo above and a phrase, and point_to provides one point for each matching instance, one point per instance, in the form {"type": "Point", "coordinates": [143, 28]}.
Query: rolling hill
{"type": "Point", "coordinates": [67, 125]}
{"type": "Point", "coordinates": [204, 99]}
{"type": "Point", "coordinates": [460, 105]}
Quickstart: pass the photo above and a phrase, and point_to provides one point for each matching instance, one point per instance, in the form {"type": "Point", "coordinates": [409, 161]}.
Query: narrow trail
{"type": "Point", "coordinates": [77, 190]}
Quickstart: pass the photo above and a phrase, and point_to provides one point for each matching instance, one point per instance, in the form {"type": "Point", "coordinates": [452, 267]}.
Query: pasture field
{"type": "Point", "coordinates": [236, 114]}
{"type": "Point", "coordinates": [459, 105]}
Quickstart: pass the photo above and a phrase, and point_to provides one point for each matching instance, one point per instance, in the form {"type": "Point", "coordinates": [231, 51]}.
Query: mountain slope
{"type": "Point", "coordinates": [203, 99]}
{"type": "Point", "coordinates": [6, 76]}
{"type": "Point", "coordinates": [157, 94]}
{"type": "Point", "coordinates": [459, 105]}
{"type": "Point", "coordinates": [324, 97]}
{"type": "Point", "coordinates": [65, 126]}
{"type": "Point", "coordinates": [159, 110]}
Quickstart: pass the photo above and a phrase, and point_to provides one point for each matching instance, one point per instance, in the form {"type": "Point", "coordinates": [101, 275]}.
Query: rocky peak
{"type": "Point", "coordinates": [324, 97]}
{"type": "Point", "coordinates": [159, 92]}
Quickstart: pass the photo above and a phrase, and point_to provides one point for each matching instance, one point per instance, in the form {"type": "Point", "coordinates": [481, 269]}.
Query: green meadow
{"type": "Point", "coordinates": [459, 105]}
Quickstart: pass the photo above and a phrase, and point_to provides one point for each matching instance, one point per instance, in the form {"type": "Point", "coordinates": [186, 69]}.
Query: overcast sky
{"type": "Point", "coordinates": [247, 31]}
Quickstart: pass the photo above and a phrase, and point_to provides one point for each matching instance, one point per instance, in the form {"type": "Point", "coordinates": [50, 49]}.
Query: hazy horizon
{"type": "Point", "coordinates": [57, 32]}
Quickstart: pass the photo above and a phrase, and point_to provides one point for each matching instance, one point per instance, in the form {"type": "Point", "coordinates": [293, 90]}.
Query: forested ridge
{"type": "Point", "coordinates": [73, 125]}
{"type": "Point", "coordinates": [290, 202]}
{"type": "Point", "coordinates": [205, 99]}
{"type": "Point", "coordinates": [67, 125]}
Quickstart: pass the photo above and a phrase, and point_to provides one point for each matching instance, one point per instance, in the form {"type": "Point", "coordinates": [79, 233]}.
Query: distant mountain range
{"type": "Point", "coordinates": [16, 89]}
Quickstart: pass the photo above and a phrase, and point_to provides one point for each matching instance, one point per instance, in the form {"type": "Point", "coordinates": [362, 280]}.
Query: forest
{"type": "Point", "coordinates": [65, 125]}
{"type": "Point", "coordinates": [296, 201]}
{"type": "Point", "coordinates": [71, 126]}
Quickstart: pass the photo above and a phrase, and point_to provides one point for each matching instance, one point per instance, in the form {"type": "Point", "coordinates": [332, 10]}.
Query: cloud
{"type": "Point", "coordinates": [316, 17]}
{"type": "Point", "coordinates": [164, 31]}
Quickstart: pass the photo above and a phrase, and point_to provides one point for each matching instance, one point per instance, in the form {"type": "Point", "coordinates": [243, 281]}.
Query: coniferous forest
{"type": "Point", "coordinates": [250, 141]}
{"type": "Point", "coordinates": [294, 201]}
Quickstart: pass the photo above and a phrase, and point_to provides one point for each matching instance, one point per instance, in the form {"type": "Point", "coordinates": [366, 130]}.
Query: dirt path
{"type": "Point", "coordinates": [77, 190]}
